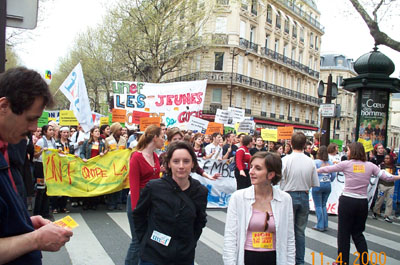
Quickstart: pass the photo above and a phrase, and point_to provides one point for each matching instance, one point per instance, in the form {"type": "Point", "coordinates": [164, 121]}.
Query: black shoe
{"type": "Point", "coordinates": [374, 216]}
{"type": "Point", "coordinates": [387, 219]}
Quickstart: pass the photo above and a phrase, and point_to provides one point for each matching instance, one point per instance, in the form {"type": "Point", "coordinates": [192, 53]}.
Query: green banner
{"type": "Point", "coordinates": [338, 142]}
{"type": "Point", "coordinates": [44, 119]}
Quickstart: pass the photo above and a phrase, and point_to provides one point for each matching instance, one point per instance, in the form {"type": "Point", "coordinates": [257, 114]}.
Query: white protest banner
{"type": "Point", "coordinates": [174, 102]}
{"type": "Point", "coordinates": [236, 114]}
{"type": "Point", "coordinates": [220, 190]}
{"type": "Point", "coordinates": [221, 116]}
{"type": "Point", "coordinates": [246, 126]}
{"type": "Point", "coordinates": [197, 125]}
{"type": "Point", "coordinates": [337, 186]}
{"type": "Point", "coordinates": [74, 89]}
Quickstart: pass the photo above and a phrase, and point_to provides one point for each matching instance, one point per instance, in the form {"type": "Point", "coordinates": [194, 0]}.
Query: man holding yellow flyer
{"type": "Point", "coordinates": [23, 96]}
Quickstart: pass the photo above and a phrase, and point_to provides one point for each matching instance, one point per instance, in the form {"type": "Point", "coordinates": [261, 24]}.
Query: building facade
{"type": "Point", "coordinates": [341, 67]}
{"type": "Point", "coordinates": [261, 56]}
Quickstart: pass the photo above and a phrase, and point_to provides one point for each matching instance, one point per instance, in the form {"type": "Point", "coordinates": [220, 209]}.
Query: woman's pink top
{"type": "Point", "coordinates": [257, 224]}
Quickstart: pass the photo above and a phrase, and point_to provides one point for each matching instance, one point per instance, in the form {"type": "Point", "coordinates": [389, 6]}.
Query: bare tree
{"type": "Point", "coordinates": [380, 37]}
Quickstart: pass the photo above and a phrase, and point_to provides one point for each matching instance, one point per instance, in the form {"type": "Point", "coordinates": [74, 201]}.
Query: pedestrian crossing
{"type": "Point", "coordinates": [103, 238]}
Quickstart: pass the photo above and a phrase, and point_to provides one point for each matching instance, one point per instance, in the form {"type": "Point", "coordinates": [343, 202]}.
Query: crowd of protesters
{"type": "Point", "coordinates": [267, 215]}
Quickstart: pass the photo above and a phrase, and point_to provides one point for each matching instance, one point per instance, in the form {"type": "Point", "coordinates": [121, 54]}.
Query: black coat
{"type": "Point", "coordinates": [161, 208]}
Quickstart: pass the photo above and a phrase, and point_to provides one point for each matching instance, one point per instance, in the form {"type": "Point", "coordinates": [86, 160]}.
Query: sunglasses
{"type": "Point", "coordinates": [266, 222]}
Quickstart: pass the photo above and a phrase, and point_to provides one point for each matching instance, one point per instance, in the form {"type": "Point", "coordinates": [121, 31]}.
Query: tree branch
{"type": "Point", "coordinates": [380, 37]}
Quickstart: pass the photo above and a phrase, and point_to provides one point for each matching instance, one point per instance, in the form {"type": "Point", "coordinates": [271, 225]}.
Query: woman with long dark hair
{"type": "Point", "coordinates": [144, 166]}
{"type": "Point", "coordinates": [320, 194]}
{"type": "Point", "coordinates": [172, 209]}
{"type": "Point", "coordinates": [353, 203]}
{"type": "Point", "coordinates": [93, 147]}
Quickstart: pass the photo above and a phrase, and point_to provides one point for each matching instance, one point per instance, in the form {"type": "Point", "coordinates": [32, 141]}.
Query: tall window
{"type": "Point", "coordinates": [248, 101]}
{"type": "Point", "coordinates": [198, 61]}
{"type": "Point", "coordinates": [285, 49]}
{"type": "Point", "coordinates": [267, 41]}
{"type": "Point", "coordinates": [219, 61]}
{"type": "Point", "coordinates": [316, 43]}
{"type": "Point", "coordinates": [273, 105]}
{"type": "Point", "coordinates": [242, 32]}
{"type": "Point", "coordinates": [216, 95]}
{"type": "Point", "coordinates": [264, 104]}
{"type": "Point", "coordinates": [302, 35]}
{"type": "Point", "coordinates": [265, 74]}
{"type": "Point", "coordinates": [298, 84]}
{"type": "Point", "coordinates": [240, 64]}
{"type": "Point", "coordinates": [238, 99]}
{"type": "Point", "coordinates": [300, 57]}
{"type": "Point", "coordinates": [276, 48]}
{"type": "Point", "coordinates": [282, 108]}
{"type": "Point", "coordinates": [269, 14]}
{"type": "Point", "coordinates": [311, 40]}
{"type": "Point", "coordinates": [220, 25]}
{"type": "Point", "coordinates": [286, 24]}
{"type": "Point", "coordinates": [297, 115]}
{"type": "Point", "coordinates": [252, 33]}
{"type": "Point", "coordinates": [249, 68]}
{"type": "Point", "coordinates": [293, 55]}
{"type": "Point", "coordinates": [307, 113]}
{"type": "Point", "coordinates": [278, 20]}
{"type": "Point", "coordinates": [339, 80]}
{"type": "Point", "coordinates": [294, 31]}
{"type": "Point", "coordinates": [274, 77]}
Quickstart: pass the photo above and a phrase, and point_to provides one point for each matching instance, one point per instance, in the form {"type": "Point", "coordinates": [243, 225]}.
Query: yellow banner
{"type": "Point", "coordinates": [269, 135]}
{"type": "Point", "coordinates": [67, 118]}
{"type": "Point", "coordinates": [103, 121]}
{"type": "Point", "coordinates": [68, 175]}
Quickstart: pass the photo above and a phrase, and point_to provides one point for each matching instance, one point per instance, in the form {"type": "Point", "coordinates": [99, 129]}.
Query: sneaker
{"type": "Point", "coordinates": [387, 219]}
{"type": "Point", "coordinates": [374, 216]}
{"type": "Point", "coordinates": [74, 204]}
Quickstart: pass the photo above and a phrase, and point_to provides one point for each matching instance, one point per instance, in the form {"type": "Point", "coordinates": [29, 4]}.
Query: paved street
{"type": "Point", "coordinates": [103, 237]}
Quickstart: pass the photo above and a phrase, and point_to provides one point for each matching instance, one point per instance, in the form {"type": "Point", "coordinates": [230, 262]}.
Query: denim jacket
{"type": "Point", "coordinates": [86, 150]}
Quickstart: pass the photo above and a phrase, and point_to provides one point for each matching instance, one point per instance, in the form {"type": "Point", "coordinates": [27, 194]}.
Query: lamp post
{"type": "Point", "coordinates": [233, 60]}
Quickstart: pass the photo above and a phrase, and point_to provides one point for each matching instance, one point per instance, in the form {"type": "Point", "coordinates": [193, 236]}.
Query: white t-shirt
{"type": "Point", "coordinates": [298, 173]}
{"type": "Point", "coordinates": [51, 144]}
{"type": "Point", "coordinates": [210, 148]}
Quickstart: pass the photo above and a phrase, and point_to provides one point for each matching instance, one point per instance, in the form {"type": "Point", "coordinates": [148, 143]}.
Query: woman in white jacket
{"type": "Point", "coordinates": [259, 225]}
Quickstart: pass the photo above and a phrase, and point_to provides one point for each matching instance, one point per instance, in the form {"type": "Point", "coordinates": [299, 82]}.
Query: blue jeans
{"type": "Point", "coordinates": [132, 257]}
{"type": "Point", "coordinates": [301, 209]}
{"type": "Point", "coordinates": [320, 196]}
{"type": "Point", "coordinates": [396, 196]}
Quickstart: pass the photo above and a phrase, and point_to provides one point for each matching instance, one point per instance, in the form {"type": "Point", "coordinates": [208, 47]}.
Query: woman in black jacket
{"type": "Point", "coordinates": [171, 211]}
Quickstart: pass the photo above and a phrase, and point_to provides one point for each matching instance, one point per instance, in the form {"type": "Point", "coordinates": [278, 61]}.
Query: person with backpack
{"type": "Point", "coordinates": [321, 194]}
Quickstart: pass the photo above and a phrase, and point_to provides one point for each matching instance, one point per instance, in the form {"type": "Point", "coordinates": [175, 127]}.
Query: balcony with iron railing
{"type": "Point", "coordinates": [223, 2]}
{"type": "Point", "coordinates": [239, 79]}
{"type": "Point", "coordinates": [286, 60]}
{"type": "Point", "coordinates": [297, 10]}
{"type": "Point", "coordinates": [248, 45]}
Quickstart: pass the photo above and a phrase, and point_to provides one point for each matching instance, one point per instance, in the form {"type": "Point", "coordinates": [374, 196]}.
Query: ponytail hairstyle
{"type": "Point", "coordinates": [148, 136]}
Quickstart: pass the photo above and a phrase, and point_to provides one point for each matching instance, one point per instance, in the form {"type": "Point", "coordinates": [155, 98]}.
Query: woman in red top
{"type": "Point", "coordinates": [143, 167]}
{"type": "Point", "coordinates": [242, 163]}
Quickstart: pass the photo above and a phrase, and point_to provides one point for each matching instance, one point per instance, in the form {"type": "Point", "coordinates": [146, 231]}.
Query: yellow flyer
{"type": "Point", "coordinates": [262, 240]}
{"type": "Point", "coordinates": [67, 221]}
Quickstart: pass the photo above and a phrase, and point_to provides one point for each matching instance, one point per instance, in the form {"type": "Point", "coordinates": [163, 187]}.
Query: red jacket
{"type": "Point", "coordinates": [243, 158]}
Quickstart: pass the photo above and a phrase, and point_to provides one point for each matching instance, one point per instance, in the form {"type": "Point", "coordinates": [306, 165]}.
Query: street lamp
{"type": "Point", "coordinates": [233, 60]}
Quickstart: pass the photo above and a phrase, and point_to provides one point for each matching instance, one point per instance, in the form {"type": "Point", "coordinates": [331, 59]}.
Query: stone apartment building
{"type": "Point", "coordinates": [261, 56]}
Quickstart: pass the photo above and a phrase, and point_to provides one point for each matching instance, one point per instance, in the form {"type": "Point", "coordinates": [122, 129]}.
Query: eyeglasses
{"type": "Point", "coordinates": [266, 222]}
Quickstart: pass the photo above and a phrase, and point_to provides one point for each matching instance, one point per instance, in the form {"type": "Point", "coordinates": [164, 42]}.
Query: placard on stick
{"type": "Point", "coordinates": [67, 118]}
{"type": "Point", "coordinates": [147, 121]}
{"type": "Point", "coordinates": [214, 127]}
{"type": "Point", "coordinates": [118, 115]}
{"type": "Point", "coordinates": [285, 133]}
{"type": "Point", "coordinates": [269, 135]}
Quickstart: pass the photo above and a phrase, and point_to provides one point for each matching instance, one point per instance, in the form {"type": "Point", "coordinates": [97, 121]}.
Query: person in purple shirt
{"type": "Point", "coordinates": [353, 203]}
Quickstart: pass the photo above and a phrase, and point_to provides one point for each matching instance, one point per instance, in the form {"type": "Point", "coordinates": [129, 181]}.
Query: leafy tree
{"type": "Point", "coordinates": [12, 59]}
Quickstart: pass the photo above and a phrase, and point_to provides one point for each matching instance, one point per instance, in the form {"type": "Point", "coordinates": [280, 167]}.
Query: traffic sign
{"type": "Point", "coordinates": [328, 110]}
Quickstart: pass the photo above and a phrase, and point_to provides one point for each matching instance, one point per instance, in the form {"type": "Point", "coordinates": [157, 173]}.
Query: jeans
{"type": "Point", "coordinates": [132, 257]}
{"type": "Point", "coordinates": [352, 215]}
{"type": "Point", "coordinates": [396, 196]}
{"type": "Point", "coordinates": [320, 196]}
{"type": "Point", "coordinates": [300, 214]}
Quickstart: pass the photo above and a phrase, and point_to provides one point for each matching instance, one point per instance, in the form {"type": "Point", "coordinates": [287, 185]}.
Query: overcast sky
{"type": "Point", "coordinates": [345, 32]}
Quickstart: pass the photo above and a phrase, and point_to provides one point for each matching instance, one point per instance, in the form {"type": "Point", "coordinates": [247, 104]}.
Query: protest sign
{"type": "Point", "coordinates": [134, 116]}
{"type": "Point", "coordinates": [67, 175]}
{"type": "Point", "coordinates": [220, 190]}
{"type": "Point", "coordinates": [147, 121]}
{"type": "Point", "coordinates": [338, 142]}
{"type": "Point", "coordinates": [367, 144]}
{"type": "Point", "coordinates": [214, 127]}
{"type": "Point", "coordinates": [44, 119]}
{"type": "Point", "coordinates": [104, 121]}
{"type": "Point", "coordinates": [236, 114]}
{"type": "Point", "coordinates": [285, 133]}
{"type": "Point", "coordinates": [222, 116]}
{"type": "Point", "coordinates": [176, 102]}
{"type": "Point", "coordinates": [246, 126]}
{"type": "Point", "coordinates": [67, 118]}
{"type": "Point", "coordinates": [269, 135]}
{"type": "Point", "coordinates": [228, 129]}
{"type": "Point", "coordinates": [118, 115]}
{"type": "Point", "coordinates": [197, 125]}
